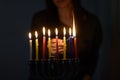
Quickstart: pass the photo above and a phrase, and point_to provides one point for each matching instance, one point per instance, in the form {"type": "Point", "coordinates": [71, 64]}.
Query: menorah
{"type": "Point", "coordinates": [55, 68]}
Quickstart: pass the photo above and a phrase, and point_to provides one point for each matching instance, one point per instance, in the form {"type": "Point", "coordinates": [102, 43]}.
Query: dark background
{"type": "Point", "coordinates": [15, 22]}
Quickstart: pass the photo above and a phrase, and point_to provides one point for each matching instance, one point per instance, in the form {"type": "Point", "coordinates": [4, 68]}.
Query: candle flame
{"type": "Point", "coordinates": [43, 30]}
{"type": "Point", "coordinates": [48, 32]}
{"type": "Point", "coordinates": [36, 34]}
{"type": "Point", "coordinates": [70, 32]}
{"type": "Point", "coordinates": [64, 30]}
{"type": "Point", "coordinates": [56, 31]}
{"type": "Point", "coordinates": [74, 30]}
{"type": "Point", "coordinates": [30, 35]}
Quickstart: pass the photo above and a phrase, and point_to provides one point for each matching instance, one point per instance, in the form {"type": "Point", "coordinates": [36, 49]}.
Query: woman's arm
{"type": "Point", "coordinates": [93, 52]}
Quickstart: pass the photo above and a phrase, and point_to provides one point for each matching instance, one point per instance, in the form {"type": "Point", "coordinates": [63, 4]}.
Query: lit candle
{"type": "Point", "coordinates": [36, 44]}
{"type": "Point", "coordinates": [49, 43]}
{"type": "Point", "coordinates": [70, 43]}
{"type": "Point", "coordinates": [44, 44]}
{"type": "Point", "coordinates": [56, 31]}
{"type": "Point", "coordinates": [64, 40]}
{"type": "Point", "coordinates": [74, 30]}
{"type": "Point", "coordinates": [30, 43]}
{"type": "Point", "coordinates": [75, 39]}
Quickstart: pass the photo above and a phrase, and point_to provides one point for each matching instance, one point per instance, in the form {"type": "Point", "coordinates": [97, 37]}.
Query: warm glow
{"type": "Point", "coordinates": [30, 35]}
{"type": "Point", "coordinates": [74, 30]}
{"type": "Point", "coordinates": [64, 31]}
{"type": "Point", "coordinates": [48, 32]}
{"type": "Point", "coordinates": [70, 32]}
{"type": "Point", "coordinates": [56, 31]}
{"type": "Point", "coordinates": [36, 34]}
{"type": "Point", "coordinates": [43, 30]}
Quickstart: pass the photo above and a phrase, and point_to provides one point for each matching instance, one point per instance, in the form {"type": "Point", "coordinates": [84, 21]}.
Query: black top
{"type": "Point", "coordinates": [89, 36]}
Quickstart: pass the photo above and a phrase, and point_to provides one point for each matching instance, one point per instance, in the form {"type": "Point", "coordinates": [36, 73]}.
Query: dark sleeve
{"type": "Point", "coordinates": [92, 56]}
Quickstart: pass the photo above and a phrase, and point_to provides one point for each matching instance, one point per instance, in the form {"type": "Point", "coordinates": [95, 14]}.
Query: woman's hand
{"type": "Point", "coordinates": [60, 46]}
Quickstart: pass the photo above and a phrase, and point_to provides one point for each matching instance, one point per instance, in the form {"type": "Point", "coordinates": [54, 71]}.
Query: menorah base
{"type": "Point", "coordinates": [55, 70]}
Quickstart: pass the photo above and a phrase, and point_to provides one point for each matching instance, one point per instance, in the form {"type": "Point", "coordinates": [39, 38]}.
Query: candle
{"type": "Point", "coordinates": [64, 40]}
{"type": "Point", "coordinates": [75, 39]}
{"type": "Point", "coordinates": [36, 45]}
{"type": "Point", "coordinates": [70, 43]}
{"type": "Point", "coordinates": [56, 31]}
{"type": "Point", "coordinates": [44, 44]}
{"type": "Point", "coordinates": [49, 43]}
{"type": "Point", "coordinates": [74, 31]}
{"type": "Point", "coordinates": [75, 47]}
{"type": "Point", "coordinates": [30, 43]}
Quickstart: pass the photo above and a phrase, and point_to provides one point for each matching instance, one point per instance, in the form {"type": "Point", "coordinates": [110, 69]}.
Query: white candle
{"type": "Point", "coordinates": [30, 44]}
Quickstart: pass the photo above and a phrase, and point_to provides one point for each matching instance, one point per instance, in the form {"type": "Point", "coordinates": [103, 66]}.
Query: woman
{"type": "Point", "coordinates": [59, 13]}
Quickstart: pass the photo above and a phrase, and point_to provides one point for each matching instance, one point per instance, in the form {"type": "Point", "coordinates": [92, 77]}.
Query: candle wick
{"type": "Point", "coordinates": [73, 36]}
{"type": "Point", "coordinates": [70, 37]}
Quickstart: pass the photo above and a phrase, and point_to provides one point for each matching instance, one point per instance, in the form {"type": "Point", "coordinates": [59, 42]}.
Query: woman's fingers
{"type": "Point", "coordinates": [54, 40]}
{"type": "Point", "coordinates": [61, 50]}
{"type": "Point", "coordinates": [60, 46]}
{"type": "Point", "coordinates": [60, 43]}
{"type": "Point", "coordinates": [54, 49]}
{"type": "Point", "coordinates": [53, 45]}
